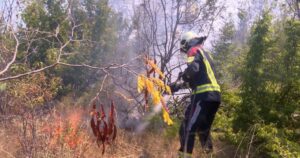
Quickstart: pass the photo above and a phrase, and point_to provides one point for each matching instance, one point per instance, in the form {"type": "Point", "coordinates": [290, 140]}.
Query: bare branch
{"type": "Point", "coordinates": [104, 69]}
{"type": "Point", "coordinates": [251, 141]}
{"type": "Point", "coordinates": [27, 73]}
{"type": "Point", "coordinates": [14, 56]}
{"type": "Point", "coordinates": [102, 85]}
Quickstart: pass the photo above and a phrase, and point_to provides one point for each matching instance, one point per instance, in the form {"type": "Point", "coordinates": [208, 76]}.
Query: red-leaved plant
{"type": "Point", "coordinates": [104, 130]}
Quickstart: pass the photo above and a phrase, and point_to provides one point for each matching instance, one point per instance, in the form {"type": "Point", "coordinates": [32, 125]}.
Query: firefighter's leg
{"type": "Point", "coordinates": [204, 123]}
{"type": "Point", "coordinates": [187, 139]}
{"type": "Point", "coordinates": [188, 129]}
{"type": "Point", "coordinates": [206, 141]}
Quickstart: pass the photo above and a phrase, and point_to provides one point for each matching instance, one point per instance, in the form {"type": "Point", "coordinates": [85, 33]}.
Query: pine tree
{"type": "Point", "coordinates": [270, 89]}
{"type": "Point", "coordinates": [288, 97]}
{"type": "Point", "coordinates": [224, 50]}
{"type": "Point", "coordinates": [253, 90]}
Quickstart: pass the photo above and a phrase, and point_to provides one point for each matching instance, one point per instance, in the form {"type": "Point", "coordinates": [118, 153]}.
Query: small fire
{"type": "Point", "coordinates": [65, 130]}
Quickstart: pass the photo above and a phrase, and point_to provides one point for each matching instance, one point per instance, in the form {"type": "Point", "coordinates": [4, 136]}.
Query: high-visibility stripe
{"type": "Point", "coordinates": [213, 86]}
{"type": "Point", "coordinates": [190, 59]}
{"type": "Point", "coordinates": [209, 70]}
{"type": "Point", "coordinates": [206, 88]}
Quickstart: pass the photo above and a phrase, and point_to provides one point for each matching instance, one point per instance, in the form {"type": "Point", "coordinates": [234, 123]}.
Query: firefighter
{"type": "Point", "coordinates": [205, 98]}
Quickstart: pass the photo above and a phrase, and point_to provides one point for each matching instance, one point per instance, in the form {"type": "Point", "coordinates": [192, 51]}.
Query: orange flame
{"type": "Point", "coordinates": [65, 131]}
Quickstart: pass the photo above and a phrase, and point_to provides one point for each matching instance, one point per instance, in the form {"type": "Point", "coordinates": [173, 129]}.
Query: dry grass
{"type": "Point", "coordinates": [132, 145]}
{"type": "Point", "coordinates": [8, 144]}
{"type": "Point", "coordinates": [69, 135]}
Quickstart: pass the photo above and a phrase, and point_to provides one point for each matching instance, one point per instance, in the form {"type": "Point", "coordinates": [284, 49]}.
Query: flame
{"type": "Point", "coordinates": [65, 131]}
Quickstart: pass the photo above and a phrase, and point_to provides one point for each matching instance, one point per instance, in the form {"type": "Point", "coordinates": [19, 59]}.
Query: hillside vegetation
{"type": "Point", "coordinates": [58, 57]}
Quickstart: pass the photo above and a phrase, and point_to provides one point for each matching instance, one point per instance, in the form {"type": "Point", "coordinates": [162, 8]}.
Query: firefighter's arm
{"type": "Point", "coordinates": [176, 86]}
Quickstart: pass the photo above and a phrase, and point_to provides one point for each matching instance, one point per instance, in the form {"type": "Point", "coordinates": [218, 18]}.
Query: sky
{"type": "Point", "coordinates": [126, 8]}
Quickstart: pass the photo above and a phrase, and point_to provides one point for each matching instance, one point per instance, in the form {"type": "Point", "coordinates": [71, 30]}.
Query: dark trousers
{"type": "Point", "coordinates": [198, 119]}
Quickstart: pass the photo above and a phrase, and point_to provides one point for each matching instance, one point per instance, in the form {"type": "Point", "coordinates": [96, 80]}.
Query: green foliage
{"type": "Point", "coordinates": [51, 55]}
{"type": "Point", "coordinates": [273, 143]}
{"type": "Point", "coordinates": [171, 132]}
{"type": "Point", "coordinates": [2, 86]}
{"type": "Point", "coordinates": [95, 33]}
{"type": "Point", "coordinates": [270, 90]}
{"type": "Point", "coordinates": [34, 16]}
{"type": "Point", "coordinates": [264, 110]}
{"type": "Point", "coordinates": [254, 94]}
{"type": "Point", "coordinates": [266, 78]}
{"type": "Point", "coordinates": [46, 26]}
{"type": "Point", "coordinates": [224, 118]}
{"type": "Point", "coordinates": [223, 56]}
{"type": "Point", "coordinates": [31, 92]}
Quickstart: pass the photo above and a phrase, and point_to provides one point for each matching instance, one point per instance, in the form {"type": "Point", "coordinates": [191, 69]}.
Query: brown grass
{"type": "Point", "coordinates": [68, 135]}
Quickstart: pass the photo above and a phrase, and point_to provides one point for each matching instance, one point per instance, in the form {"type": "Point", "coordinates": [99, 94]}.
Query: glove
{"type": "Point", "coordinates": [180, 76]}
{"type": "Point", "coordinates": [174, 87]}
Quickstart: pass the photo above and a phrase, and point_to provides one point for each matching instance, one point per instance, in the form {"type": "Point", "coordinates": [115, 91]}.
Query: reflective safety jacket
{"type": "Point", "coordinates": [200, 75]}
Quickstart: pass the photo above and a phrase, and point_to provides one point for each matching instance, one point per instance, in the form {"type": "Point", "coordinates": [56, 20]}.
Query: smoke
{"type": "Point", "coordinates": [144, 124]}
